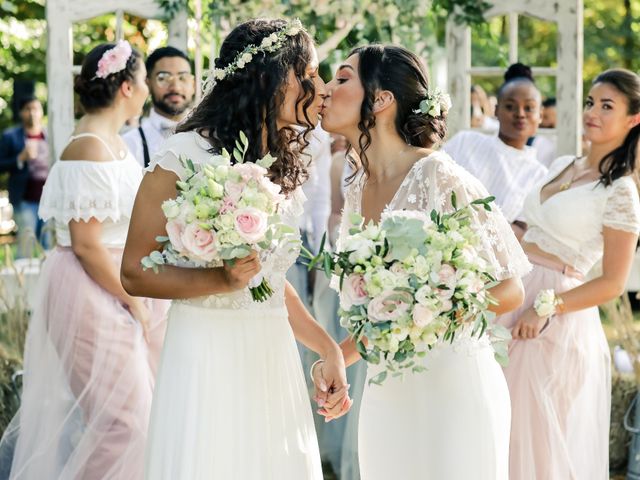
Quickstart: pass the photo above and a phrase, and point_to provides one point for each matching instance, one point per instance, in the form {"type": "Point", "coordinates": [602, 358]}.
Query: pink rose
{"type": "Point", "coordinates": [389, 305]}
{"type": "Point", "coordinates": [250, 170]}
{"type": "Point", "coordinates": [175, 229]}
{"type": "Point", "coordinates": [445, 276]}
{"type": "Point", "coordinates": [446, 305]}
{"type": "Point", "coordinates": [422, 316]}
{"type": "Point", "coordinates": [233, 190]}
{"type": "Point", "coordinates": [251, 224]}
{"type": "Point", "coordinates": [228, 205]}
{"type": "Point", "coordinates": [199, 242]}
{"type": "Point", "coordinates": [353, 291]}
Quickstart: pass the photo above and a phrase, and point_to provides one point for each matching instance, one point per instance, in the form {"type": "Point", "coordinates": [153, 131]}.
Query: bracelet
{"type": "Point", "coordinates": [548, 303]}
{"type": "Point", "coordinates": [313, 365]}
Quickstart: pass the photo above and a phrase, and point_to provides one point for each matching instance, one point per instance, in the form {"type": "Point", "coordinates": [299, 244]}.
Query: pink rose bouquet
{"type": "Point", "coordinates": [224, 209]}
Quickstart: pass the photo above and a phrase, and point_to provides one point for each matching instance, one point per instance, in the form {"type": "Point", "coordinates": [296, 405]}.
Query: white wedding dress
{"type": "Point", "coordinates": [230, 401]}
{"type": "Point", "coordinates": [451, 422]}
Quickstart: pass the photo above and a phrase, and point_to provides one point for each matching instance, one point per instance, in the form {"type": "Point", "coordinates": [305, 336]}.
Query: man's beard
{"type": "Point", "coordinates": [170, 109]}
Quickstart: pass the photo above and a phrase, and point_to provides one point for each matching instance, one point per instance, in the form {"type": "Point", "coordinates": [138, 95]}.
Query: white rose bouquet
{"type": "Point", "coordinates": [223, 211]}
{"type": "Point", "coordinates": [410, 282]}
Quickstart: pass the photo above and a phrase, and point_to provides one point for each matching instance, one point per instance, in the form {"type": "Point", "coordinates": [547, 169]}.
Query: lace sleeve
{"type": "Point", "coordinates": [431, 188]}
{"type": "Point", "coordinates": [622, 211]}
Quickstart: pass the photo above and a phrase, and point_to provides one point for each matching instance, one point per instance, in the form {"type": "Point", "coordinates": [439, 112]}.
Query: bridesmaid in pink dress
{"type": "Point", "coordinates": [586, 210]}
{"type": "Point", "coordinates": [91, 349]}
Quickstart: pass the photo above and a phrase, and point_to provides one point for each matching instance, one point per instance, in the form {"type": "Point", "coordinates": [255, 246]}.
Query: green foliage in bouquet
{"type": "Point", "coordinates": [411, 282]}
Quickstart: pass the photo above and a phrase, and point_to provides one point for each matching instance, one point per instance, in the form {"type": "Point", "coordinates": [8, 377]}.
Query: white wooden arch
{"type": "Point", "coordinates": [61, 14]}
{"type": "Point", "coordinates": [568, 14]}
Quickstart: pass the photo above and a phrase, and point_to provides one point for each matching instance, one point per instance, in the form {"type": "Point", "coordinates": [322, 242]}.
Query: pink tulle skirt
{"type": "Point", "coordinates": [560, 387]}
{"type": "Point", "coordinates": [88, 381]}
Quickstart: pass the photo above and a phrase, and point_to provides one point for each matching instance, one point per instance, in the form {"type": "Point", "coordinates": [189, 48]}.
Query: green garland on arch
{"type": "Point", "coordinates": [172, 7]}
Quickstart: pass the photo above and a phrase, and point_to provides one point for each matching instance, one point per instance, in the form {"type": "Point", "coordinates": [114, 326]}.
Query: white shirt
{"type": "Point", "coordinates": [156, 129]}
{"type": "Point", "coordinates": [506, 172]}
{"type": "Point", "coordinates": [317, 188]}
{"type": "Point", "coordinates": [546, 146]}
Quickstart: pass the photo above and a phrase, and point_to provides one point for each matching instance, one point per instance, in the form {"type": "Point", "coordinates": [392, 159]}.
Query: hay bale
{"type": "Point", "coordinates": [623, 390]}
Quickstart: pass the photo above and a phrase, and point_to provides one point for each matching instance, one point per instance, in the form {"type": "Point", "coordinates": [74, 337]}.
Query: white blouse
{"type": "Point", "coordinates": [569, 223]}
{"type": "Point", "coordinates": [506, 172]}
{"type": "Point", "coordinates": [82, 189]}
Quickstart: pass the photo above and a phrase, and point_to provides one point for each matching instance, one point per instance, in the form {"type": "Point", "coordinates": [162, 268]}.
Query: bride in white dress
{"type": "Point", "coordinates": [452, 421]}
{"type": "Point", "coordinates": [230, 400]}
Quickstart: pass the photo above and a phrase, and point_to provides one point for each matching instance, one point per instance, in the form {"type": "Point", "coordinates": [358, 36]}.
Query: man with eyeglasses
{"type": "Point", "coordinates": [172, 88]}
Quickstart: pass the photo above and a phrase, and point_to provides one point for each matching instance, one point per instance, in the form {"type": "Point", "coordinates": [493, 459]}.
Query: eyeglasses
{"type": "Point", "coordinates": [164, 79]}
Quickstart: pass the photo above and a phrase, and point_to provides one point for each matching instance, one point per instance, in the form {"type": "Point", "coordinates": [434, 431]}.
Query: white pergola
{"type": "Point", "coordinates": [61, 14]}
{"type": "Point", "coordinates": [568, 14]}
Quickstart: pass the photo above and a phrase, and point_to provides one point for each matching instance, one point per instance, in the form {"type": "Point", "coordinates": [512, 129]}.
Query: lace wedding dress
{"type": "Point", "coordinates": [452, 421]}
{"type": "Point", "coordinates": [230, 400]}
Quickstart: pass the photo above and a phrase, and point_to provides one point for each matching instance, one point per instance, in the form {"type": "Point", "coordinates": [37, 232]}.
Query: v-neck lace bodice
{"type": "Point", "coordinates": [569, 223]}
{"type": "Point", "coordinates": [428, 186]}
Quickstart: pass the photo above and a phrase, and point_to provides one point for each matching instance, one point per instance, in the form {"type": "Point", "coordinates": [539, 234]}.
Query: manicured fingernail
{"type": "Point", "coordinates": [321, 402]}
{"type": "Point", "coordinates": [323, 386]}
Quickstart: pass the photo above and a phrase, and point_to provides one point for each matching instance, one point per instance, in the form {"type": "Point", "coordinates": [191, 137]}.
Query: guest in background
{"type": "Point", "coordinates": [92, 349]}
{"type": "Point", "coordinates": [584, 211]}
{"type": "Point", "coordinates": [481, 111]}
{"type": "Point", "coordinates": [506, 166]}
{"type": "Point", "coordinates": [24, 153]}
{"type": "Point", "coordinates": [172, 87]}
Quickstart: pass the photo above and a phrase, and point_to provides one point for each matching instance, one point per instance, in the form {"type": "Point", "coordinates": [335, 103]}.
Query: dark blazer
{"type": "Point", "coordinates": [11, 144]}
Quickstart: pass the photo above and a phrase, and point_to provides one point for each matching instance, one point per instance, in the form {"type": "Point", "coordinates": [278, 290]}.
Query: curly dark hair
{"type": "Point", "coordinates": [394, 68]}
{"type": "Point", "coordinates": [250, 99]}
{"type": "Point", "coordinates": [96, 93]}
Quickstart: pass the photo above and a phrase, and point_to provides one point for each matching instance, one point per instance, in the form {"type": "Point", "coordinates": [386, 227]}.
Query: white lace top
{"type": "Point", "coordinates": [428, 186]}
{"type": "Point", "coordinates": [82, 189]}
{"type": "Point", "coordinates": [274, 267]}
{"type": "Point", "coordinates": [569, 223]}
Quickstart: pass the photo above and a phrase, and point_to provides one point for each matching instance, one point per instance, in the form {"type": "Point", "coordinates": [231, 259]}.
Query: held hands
{"type": "Point", "coordinates": [331, 388]}
{"type": "Point", "coordinates": [529, 325]}
{"type": "Point", "coordinates": [239, 272]}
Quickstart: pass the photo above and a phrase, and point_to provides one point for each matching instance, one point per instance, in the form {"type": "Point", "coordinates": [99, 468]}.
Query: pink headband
{"type": "Point", "coordinates": [114, 60]}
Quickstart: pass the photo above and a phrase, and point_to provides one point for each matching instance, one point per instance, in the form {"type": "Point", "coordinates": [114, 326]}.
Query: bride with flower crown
{"type": "Point", "coordinates": [231, 401]}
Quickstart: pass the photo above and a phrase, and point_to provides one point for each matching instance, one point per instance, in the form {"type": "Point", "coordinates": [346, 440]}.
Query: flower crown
{"type": "Point", "coordinates": [114, 60]}
{"type": "Point", "coordinates": [271, 43]}
{"type": "Point", "coordinates": [435, 103]}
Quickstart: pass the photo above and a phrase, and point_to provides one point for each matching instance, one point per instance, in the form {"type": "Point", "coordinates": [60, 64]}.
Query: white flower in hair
{"type": "Point", "coordinates": [435, 103]}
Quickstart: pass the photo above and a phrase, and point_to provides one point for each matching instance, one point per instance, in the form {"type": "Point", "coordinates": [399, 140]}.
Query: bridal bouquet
{"type": "Point", "coordinates": [411, 281]}
{"type": "Point", "coordinates": [223, 211]}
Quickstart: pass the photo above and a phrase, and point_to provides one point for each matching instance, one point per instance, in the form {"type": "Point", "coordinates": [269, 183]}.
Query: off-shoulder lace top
{"type": "Point", "coordinates": [569, 223]}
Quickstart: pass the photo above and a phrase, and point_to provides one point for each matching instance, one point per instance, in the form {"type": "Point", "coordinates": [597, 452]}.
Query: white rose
{"type": "Point", "coordinates": [361, 248]}
{"type": "Point", "coordinates": [247, 57]}
{"type": "Point", "coordinates": [422, 316]}
{"type": "Point", "coordinates": [171, 209]}
{"type": "Point", "coordinates": [424, 295]}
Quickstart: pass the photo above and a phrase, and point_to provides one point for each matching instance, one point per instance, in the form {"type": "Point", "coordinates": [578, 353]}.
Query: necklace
{"type": "Point", "coordinates": [574, 178]}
